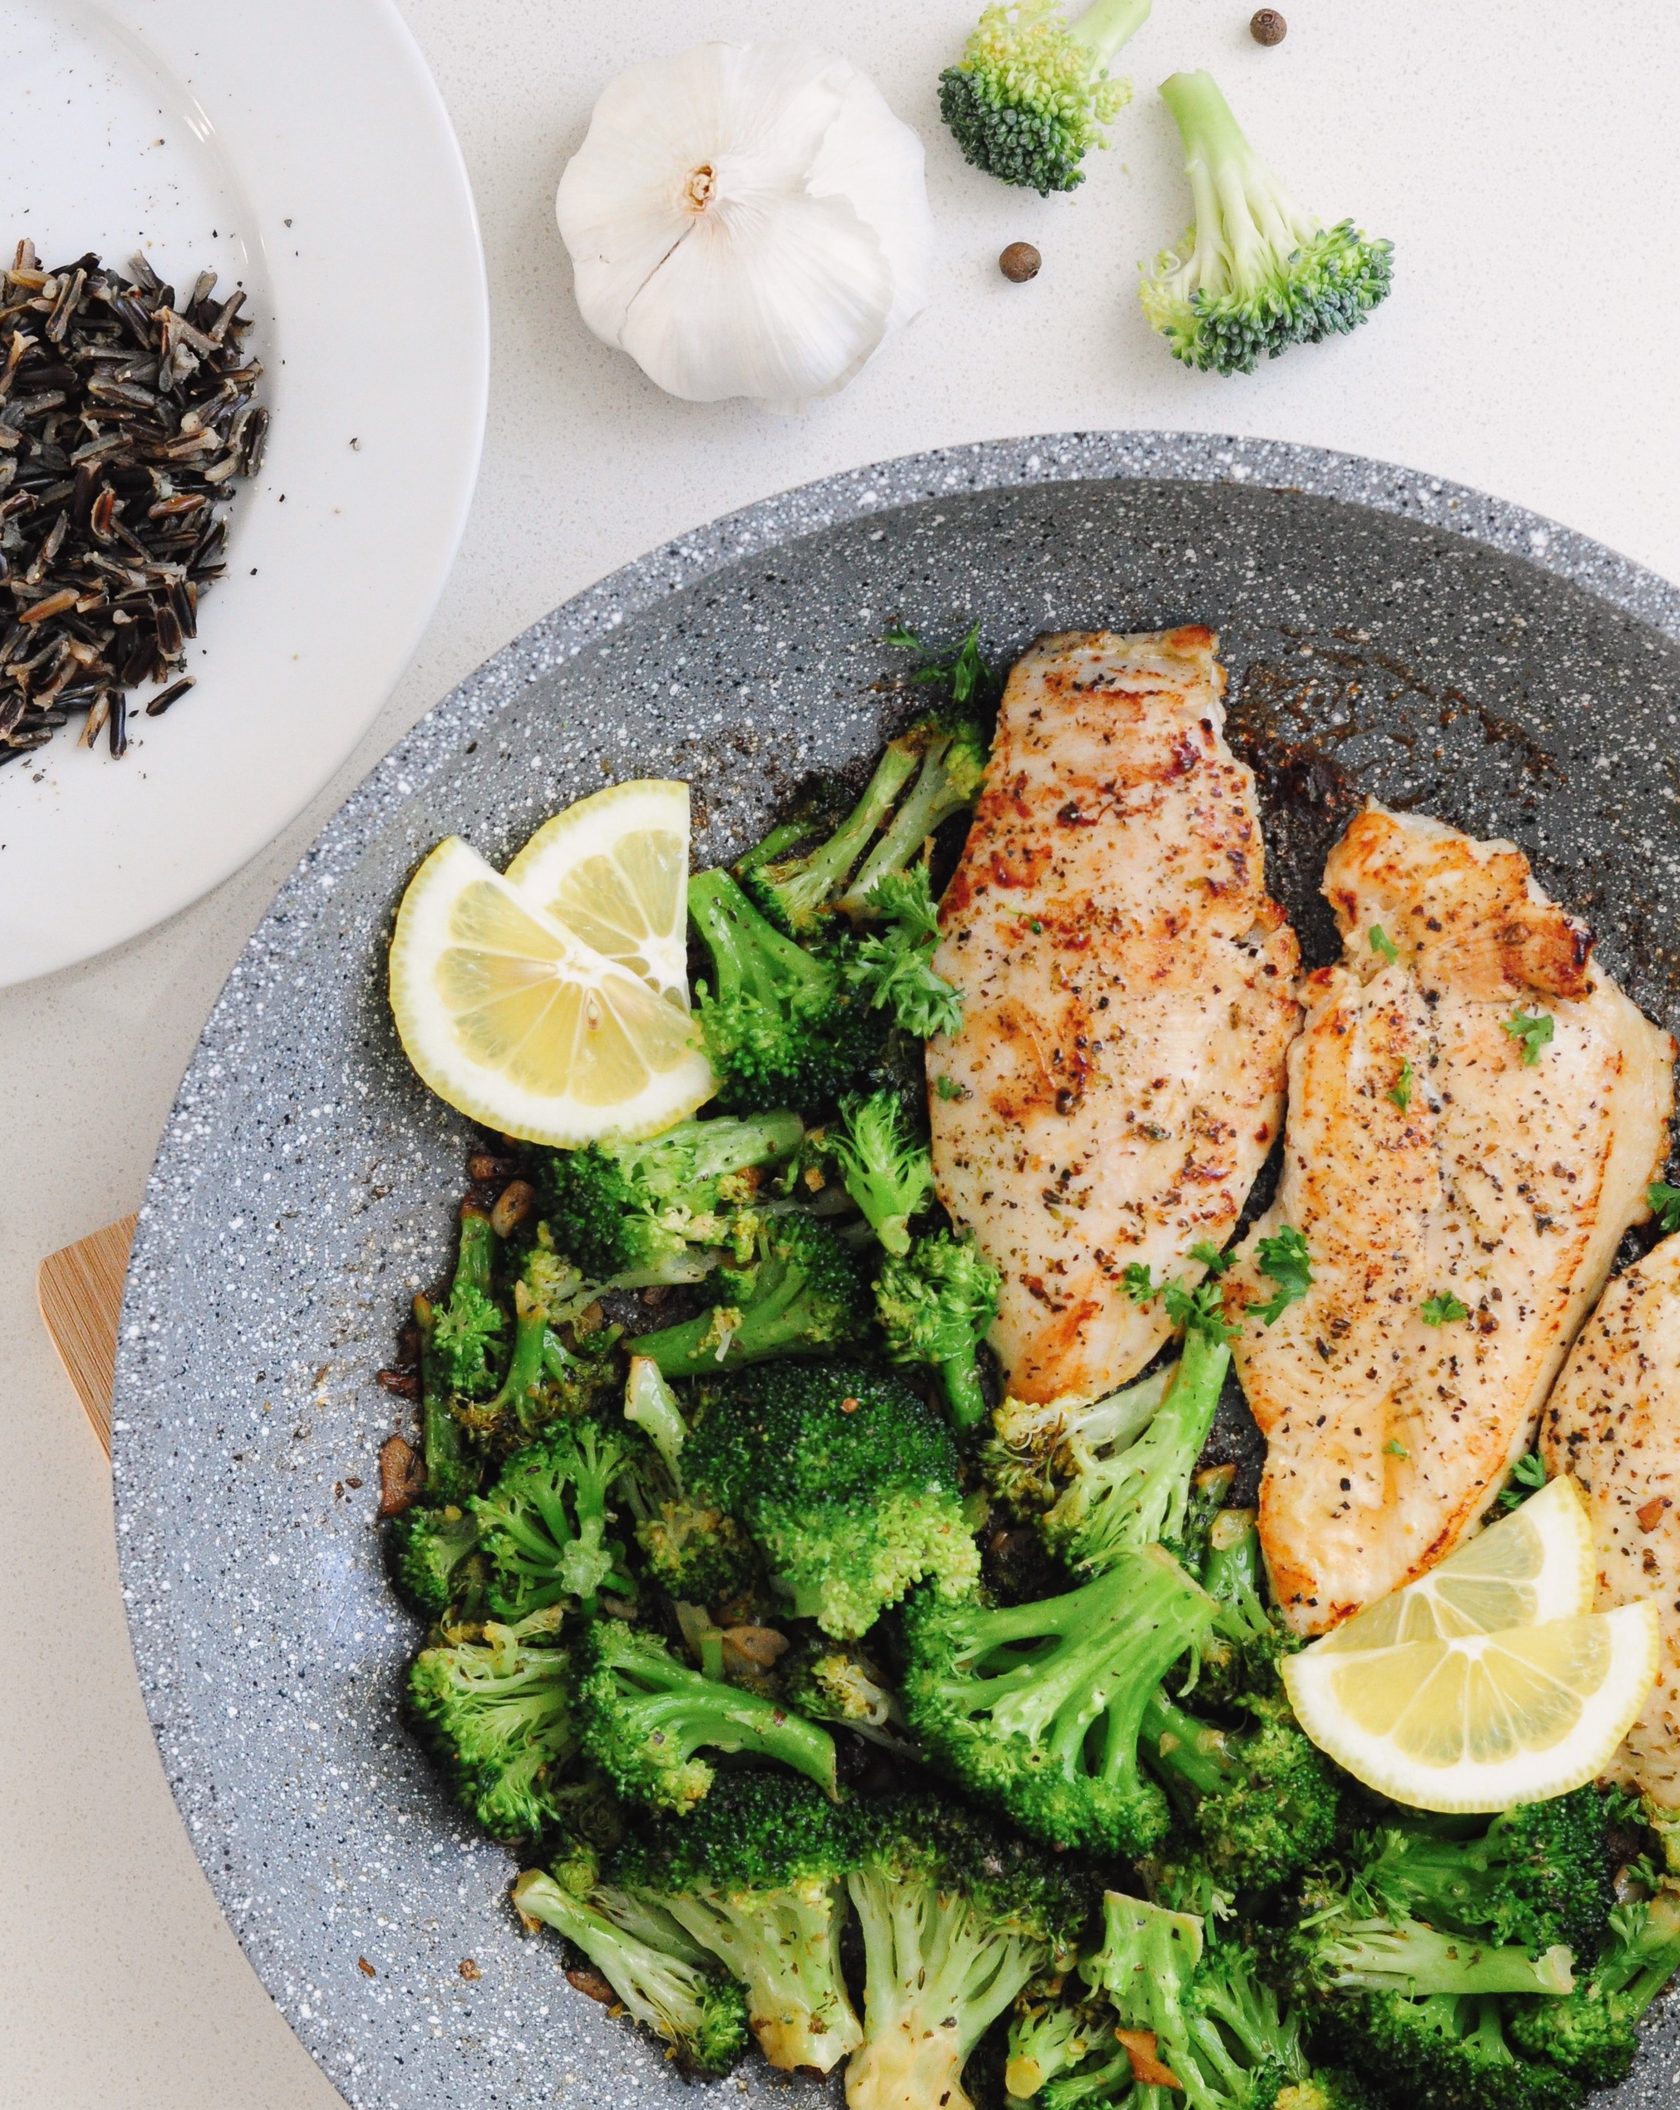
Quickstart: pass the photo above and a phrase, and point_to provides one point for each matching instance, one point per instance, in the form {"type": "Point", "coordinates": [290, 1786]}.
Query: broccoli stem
{"type": "Point", "coordinates": [475, 1258]}
{"type": "Point", "coordinates": [749, 956]}
{"type": "Point", "coordinates": [826, 872]}
{"type": "Point", "coordinates": [527, 1366]}
{"type": "Point", "coordinates": [1103, 28]}
{"type": "Point", "coordinates": [932, 801]}
{"type": "Point", "coordinates": [1231, 1572]}
{"type": "Point", "coordinates": [1238, 203]}
{"type": "Point", "coordinates": [1188, 1750]}
{"type": "Point", "coordinates": [1406, 1956]}
{"type": "Point", "coordinates": [449, 1476]}
{"type": "Point", "coordinates": [787, 837]}
{"type": "Point", "coordinates": [959, 1378]}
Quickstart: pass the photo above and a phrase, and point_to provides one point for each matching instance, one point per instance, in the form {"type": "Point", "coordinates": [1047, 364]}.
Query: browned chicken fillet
{"type": "Point", "coordinates": [1500, 1182]}
{"type": "Point", "coordinates": [1128, 990]}
{"type": "Point", "coordinates": [1613, 1420]}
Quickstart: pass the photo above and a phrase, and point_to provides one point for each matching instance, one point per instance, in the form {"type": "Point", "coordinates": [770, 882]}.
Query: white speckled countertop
{"type": "Point", "coordinates": [1450, 128]}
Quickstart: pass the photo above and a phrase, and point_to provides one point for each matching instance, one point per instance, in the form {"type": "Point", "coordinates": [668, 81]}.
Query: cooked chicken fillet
{"type": "Point", "coordinates": [1128, 992]}
{"type": "Point", "coordinates": [1502, 1183]}
{"type": "Point", "coordinates": [1613, 1420]}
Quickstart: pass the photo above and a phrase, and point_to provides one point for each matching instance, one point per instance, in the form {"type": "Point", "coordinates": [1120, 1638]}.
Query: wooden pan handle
{"type": "Point", "coordinates": [80, 1288]}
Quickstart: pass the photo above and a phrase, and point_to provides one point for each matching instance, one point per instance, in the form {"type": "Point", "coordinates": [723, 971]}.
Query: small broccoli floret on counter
{"type": "Point", "coordinates": [1593, 2033]}
{"type": "Point", "coordinates": [836, 1681]}
{"type": "Point", "coordinates": [957, 1918]}
{"type": "Point", "coordinates": [665, 1210]}
{"type": "Point", "coordinates": [778, 1022]}
{"type": "Point", "coordinates": [845, 1477]}
{"type": "Point", "coordinates": [1254, 274]}
{"type": "Point", "coordinates": [803, 1292]}
{"type": "Point", "coordinates": [430, 1555]}
{"type": "Point", "coordinates": [936, 1303]}
{"type": "Point", "coordinates": [662, 1978]}
{"type": "Point", "coordinates": [644, 1718]}
{"type": "Point", "coordinates": [1032, 95]}
{"type": "Point", "coordinates": [892, 966]}
{"type": "Point", "coordinates": [1443, 2052]}
{"type": "Point", "coordinates": [756, 1875]}
{"type": "Point", "coordinates": [692, 1548]}
{"type": "Point", "coordinates": [544, 1524]}
{"type": "Point", "coordinates": [887, 1174]}
{"type": "Point", "coordinates": [955, 748]}
{"type": "Point", "coordinates": [1039, 1708]}
{"type": "Point", "coordinates": [498, 1716]}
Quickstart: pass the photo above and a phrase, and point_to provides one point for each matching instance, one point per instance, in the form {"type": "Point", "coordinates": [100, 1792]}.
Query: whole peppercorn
{"type": "Point", "coordinates": [1019, 262]}
{"type": "Point", "coordinates": [1268, 26]}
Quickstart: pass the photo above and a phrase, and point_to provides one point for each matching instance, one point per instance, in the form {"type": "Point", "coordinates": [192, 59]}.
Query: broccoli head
{"type": "Point", "coordinates": [845, 1477]}
{"type": "Point", "coordinates": [544, 1524]}
{"type": "Point", "coordinates": [956, 1918]}
{"type": "Point", "coordinates": [643, 1718]}
{"type": "Point", "coordinates": [1038, 1708]}
{"type": "Point", "coordinates": [544, 1376]}
{"type": "Point", "coordinates": [664, 1210]}
{"type": "Point", "coordinates": [892, 968]}
{"type": "Point", "coordinates": [429, 1551]}
{"type": "Point", "coordinates": [887, 1174]}
{"type": "Point", "coordinates": [835, 1681]}
{"type": "Point", "coordinates": [936, 1304]}
{"type": "Point", "coordinates": [801, 1293]}
{"type": "Point", "coordinates": [467, 1327]}
{"type": "Point", "coordinates": [1443, 2052]}
{"type": "Point", "coordinates": [1255, 274]}
{"type": "Point", "coordinates": [1031, 94]}
{"type": "Point", "coordinates": [757, 1876]}
{"type": "Point", "coordinates": [1593, 2033]}
{"type": "Point", "coordinates": [692, 1549]}
{"type": "Point", "coordinates": [662, 1978]}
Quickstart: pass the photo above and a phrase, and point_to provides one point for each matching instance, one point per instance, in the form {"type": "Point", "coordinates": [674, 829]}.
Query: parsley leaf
{"type": "Point", "coordinates": [1286, 1259]}
{"type": "Point", "coordinates": [966, 675]}
{"type": "Point", "coordinates": [1138, 1282]}
{"type": "Point", "coordinates": [1394, 1448]}
{"type": "Point", "coordinates": [1442, 1307]}
{"type": "Point", "coordinates": [1528, 1476]}
{"type": "Point", "coordinates": [1400, 1091]}
{"type": "Point", "coordinates": [1210, 1257]}
{"type": "Point", "coordinates": [1199, 1310]}
{"type": "Point", "coordinates": [949, 1088]}
{"type": "Point", "coordinates": [1533, 1029]}
{"type": "Point", "coordinates": [1665, 1204]}
{"type": "Point", "coordinates": [892, 968]}
{"type": "Point", "coordinates": [1383, 945]}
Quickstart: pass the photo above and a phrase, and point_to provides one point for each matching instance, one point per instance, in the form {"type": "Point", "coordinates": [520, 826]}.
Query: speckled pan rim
{"type": "Point", "coordinates": [560, 636]}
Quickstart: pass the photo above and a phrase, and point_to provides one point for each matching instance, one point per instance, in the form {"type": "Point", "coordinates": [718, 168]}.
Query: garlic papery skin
{"type": "Point", "coordinates": [747, 220]}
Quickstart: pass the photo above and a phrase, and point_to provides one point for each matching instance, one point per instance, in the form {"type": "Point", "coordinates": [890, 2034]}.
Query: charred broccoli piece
{"type": "Point", "coordinates": [1444, 2051]}
{"type": "Point", "coordinates": [836, 1681]}
{"type": "Point", "coordinates": [801, 1293]}
{"type": "Point", "coordinates": [936, 1304]}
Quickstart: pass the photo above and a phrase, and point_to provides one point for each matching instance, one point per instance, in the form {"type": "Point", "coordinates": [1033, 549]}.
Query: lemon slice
{"type": "Point", "coordinates": [1535, 1564]}
{"type": "Point", "coordinates": [508, 1016]}
{"type": "Point", "coordinates": [614, 870]}
{"type": "Point", "coordinates": [1481, 1721]}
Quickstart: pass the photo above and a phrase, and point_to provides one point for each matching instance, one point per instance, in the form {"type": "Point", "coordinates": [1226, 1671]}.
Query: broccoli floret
{"type": "Point", "coordinates": [803, 1292]}
{"type": "Point", "coordinates": [1542, 1874]}
{"type": "Point", "coordinates": [643, 1716]}
{"type": "Point", "coordinates": [663, 1211]}
{"type": "Point", "coordinates": [846, 1478]}
{"type": "Point", "coordinates": [1443, 2052]}
{"type": "Point", "coordinates": [892, 967]}
{"type": "Point", "coordinates": [798, 893]}
{"type": "Point", "coordinates": [955, 749]}
{"type": "Point", "coordinates": [1038, 1708]}
{"type": "Point", "coordinates": [544, 1376]}
{"type": "Point", "coordinates": [1241, 1658]}
{"type": "Point", "coordinates": [1327, 2088]}
{"type": "Point", "coordinates": [1263, 1802]}
{"type": "Point", "coordinates": [543, 1525]}
{"type": "Point", "coordinates": [1051, 2034]}
{"type": "Point", "coordinates": [956, 1919]}
{"type": "Point", "coordinates": [1593, 2033]}
{"type": "Point", "coordinates": [1138, 1492]}
{"type": "Point", "coordinates": [756, 1875]}
{"type": "Point", "coordinates": [778, 1022]}
{"type": "Point", "coordinates": [1033, 1444]}
{"type": "Point", "coordinates": [936, 1304]}
{"type": "Point", "coordinates": [498, 1715]}
{"type": "Point", "coordinates": [1254, 274]}
{"type": "Point", "coordinates": [836, 1681]}
{"type": "Point", "coordinates": [692, 1549]}
{"type": "Point", "coordinates": [662, 1978]}
{"type": "Point", "coordinates": [467, 1328]}
{"type": "Point", "coordinates": [887, 1174]}
{"type": "Point", "coordinates": [427, 1551]}
{"type": "Point", "coordinates": [1032, 95]}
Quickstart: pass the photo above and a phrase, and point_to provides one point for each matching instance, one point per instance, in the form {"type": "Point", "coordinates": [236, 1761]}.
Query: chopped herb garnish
{"type": "Point", "coordinates": [1533, 1029]}
{"type": "Point", "coordinates": [1138, 1281]}
{"type": "Point", "coordinates": [1442, 1308]}
{"type": "Point", "coordinates": [1528, 1476]}
{"type": "Point", "coordinates": [1400, 1091]}
{"type": "Point", "coordinates": [965, 674]}
{"type": "Point", "coordinates": [949, 1088]}
{"type": "Point", "coordinates": [1394, 1448]}
{"type": "Point", "coordinates": [1209, 1256]}
{"type": "Point", "coordinates": [1200, 1310]}
{"type": "Point", "coordinates": [1383, 945]}
{"type": "Point", "coordinates": [1665, 1204]}
{"type": "Point", "coordinates": [1286, 1259]}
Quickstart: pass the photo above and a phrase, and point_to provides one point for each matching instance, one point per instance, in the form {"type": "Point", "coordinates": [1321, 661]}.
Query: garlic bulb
{"type": "Point", "coordinates": [747, 220]}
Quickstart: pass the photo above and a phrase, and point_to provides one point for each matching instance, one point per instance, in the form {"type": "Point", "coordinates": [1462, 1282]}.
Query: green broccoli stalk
{"type": "Point", "coordinates": [1542, 1874]}
{"type": "Point", "coordinates": [955, 749]}
{"type": "Point", "coordinates": [1032, 95]}
{"type": "Point", "coordinates": [1345, 1939]}
{"type": "Point", "coordinates": [1263, 1802]}
{"type": "Point", "coordinates": [846, 1478]}
{"type": "Point", "coordinates": [936, 1304]}
{"type": "Point", "coordinates": [1445, 2051]}
{"type": "Point", "coordinates": [692, 1549]}
{"type": "Point", "coordinates": [1033, 1444]}
{"type": "Point", "coordinates": [886, 1173]}
{"type": "Point", "coordinates": [802, 1292]}
{"type": "Point", "coordinates": [1139, 1493]}
{"type": "Point", "coordinates": [1038, 1708]}
{"type": "Point", "coordinates": [498, 1717]}
{"type": "Point", "coordinates": [756, 1876]}
{"type": "Point", "coordinates": [956, 1919]}
{"type": "Point", "coordinates": [779, 1024]}
{"type": "Point", "coordinates": [662, 1978]}
{"type": "Point", "coordinates": [663, 1211]}
{"type": "Point", "coordinates": [892, 967]}
{"type": "Point", "coordinates": [543, 1525]}
{"type": "Point", "coordinates": [428, 1551]}
{"type": "Point", "coordinates": [1254, 274]}
{"type": "Point", "coordinates": [798, 893]}
{"type": "Point", "coordinates": [835, 1681]}
{"type": "Point", "coordinates": [467, 1328]}
{"type": "Point", "coordinates": [1241, 1658]}
{"type": "Point", "coordinates": [643, 1716]}
{"type": "Point", "coordinates": [1593, 2033]}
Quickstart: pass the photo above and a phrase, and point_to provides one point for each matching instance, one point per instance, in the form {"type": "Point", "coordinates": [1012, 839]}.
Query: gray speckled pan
{"type": "Point", "coordinates": [1385, 632]}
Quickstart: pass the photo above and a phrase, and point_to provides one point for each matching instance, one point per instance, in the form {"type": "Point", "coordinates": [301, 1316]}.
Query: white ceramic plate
{"type": "Point", "coordinates": [301, 148]}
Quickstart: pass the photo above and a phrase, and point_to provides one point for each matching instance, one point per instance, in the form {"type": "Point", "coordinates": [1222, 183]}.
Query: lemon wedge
{"type": "Point", "coordinates": [1534, 1565]}
{"type": "Point", "coordinates": [614, 870]}
{"type": "Point", "coordinates": [509, 1016]}
{"type": "Point", "coordinates": [1475, 1722]}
